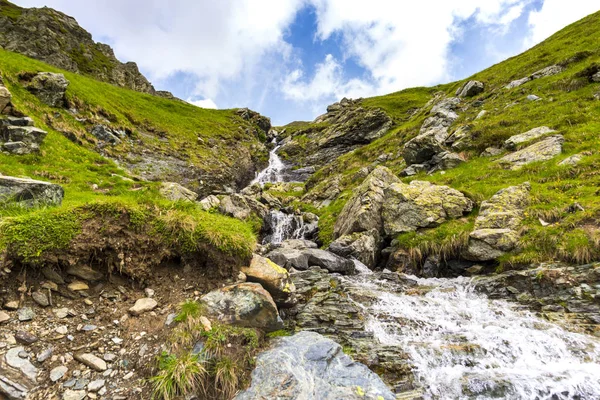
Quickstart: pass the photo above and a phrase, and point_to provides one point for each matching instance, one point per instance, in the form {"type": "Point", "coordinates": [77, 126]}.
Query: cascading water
{"type": "Point", "coordinates": [466, 346]}
{"type": "Point", "coordinates": [285, 226]}
{"type": "Point", "coordinates": [274, 172]}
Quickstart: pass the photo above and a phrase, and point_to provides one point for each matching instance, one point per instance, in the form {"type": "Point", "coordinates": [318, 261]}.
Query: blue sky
{"type": "Point", "coordinates": [289, 59]}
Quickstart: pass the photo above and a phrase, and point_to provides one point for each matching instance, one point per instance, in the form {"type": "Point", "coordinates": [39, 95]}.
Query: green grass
{"type": "Point", "coordinates": [10, 10]}
{"type": "Point", "coordinates": [178, 376]}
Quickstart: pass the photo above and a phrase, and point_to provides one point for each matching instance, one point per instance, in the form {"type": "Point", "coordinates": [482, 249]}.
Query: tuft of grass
{"type": "Point", "coordinates": [189, 309]}
{"type": "Point", "coordinates": [178, 376]}
{"type": "Point", "coordinates": [226, 372]}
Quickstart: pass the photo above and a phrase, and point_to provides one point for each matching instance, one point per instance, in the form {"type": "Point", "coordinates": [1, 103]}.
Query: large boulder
{"type": "Point", "coordinates": [514, 141]}
{"type": "Point", "coordinates": [49, 87]}
{"type": "Point", "coordinates": [421, 205]}
{"type": "Point", "coordinates": [363, 246]}
{"type": "Point", "coordinates": [362, 212]}
{"type": "Point", "coordinates": [105, 134]}
{"type": "Point", "coordinates": [29, 193]}
{"type": "Point", "coordinates": [329, 261]}
{"type": "Point", "coordinates": [470, 89]}
{"type": "Point", "coordinates": [275, 279]}
{"type": "Point", "coordinates": [310, 366]}
{"type": "Point", "coordinates": [5, 97]}
{"type": "Point", "coordinates": [244, 304]}
{"type": "Point", "coordinates": [289, 258]}
{"type": "Point", "coordinates": [543, 150]}
{"type": "Point", "coordinates": [496, 227]}
{"type": "Point", "coordinates": [242, 207]}
{"type": "Point", "coordinates": [175, 192]}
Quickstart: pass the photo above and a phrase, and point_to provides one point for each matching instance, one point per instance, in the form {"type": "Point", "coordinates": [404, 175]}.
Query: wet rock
{"type": "Point", "coordinates": [49, 87]}
{"type": "Point", "coordinates": [12, 359]}
{"type": "Point", "coordinates": [91, 361]}
{"type": "Point", "coordinates": [175, 192]}
{"type": "Point", "coordinates": [275, 279]}
{"type": "Point", "coordinates": [57, 373]}
{"type": "Point", "coordinates": [209, 202]}
{"type": "Point", "coordinates": [514, 141]}
{"type": "Point", "coordinates": [85, 273]}
{"type": "Point", "coordinates": [363, 246]}
{"type": "Point", "coordinates": [25, 314]}
{"type": "Point", "coordinates": [143, 305]}
{"type": "Point", "coordinates": [29, 192]}
{"type": "Point", "coordinates": [421, 205]}
{"type": "Point", "coordinates": [242, 207]}
{"type": "Point", "coordinates": [40, 298]}
{"type": "Point", "coordinates": [470, 89]}
{"type": "Point", "coordinates": [496, 227]}
{"type": "Point", "coordinates": [431, 267]}
{"type": "Point", "coordinates": [320, 367]}
{"type": "Point", "coordinates": [543, 150]}
{"type": "Point", "coordinates": [329, 261]}
{"type": "Point", "coordinates": [244, 304]}
{"type": "Point", "coordinates": [362, 212]}
{"type": "Point", "coordinates": [25, 338]}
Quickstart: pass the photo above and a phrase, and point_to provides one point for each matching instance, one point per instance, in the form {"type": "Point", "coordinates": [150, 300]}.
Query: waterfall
{"type": "Point", "coordinates": [286, 226]}
{"type": "Point", "coordinates": [466, 346]}
{"type": "Point", "coordinates": [274, 172]}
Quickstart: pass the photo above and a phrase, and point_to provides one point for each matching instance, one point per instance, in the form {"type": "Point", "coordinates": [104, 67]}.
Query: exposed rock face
{"type": "Point", "coordinates": [56, 38]}
{"type": "Point", "coordinates": [362, 212]}
{"type": "Point", "coordinates": [363, 246]}
{"type": "Point", "coordinates": [345, 127]}
{"type": "Point", "coordinates": [244, 304]}
{"type": "Point", "coordinates": [548, 71]}
{"type": "Point", "coordinates": [29, 192]}
{"type": "Point", "coordinates": [261, 121]}
{"type": "Point", "coordinates": [49, 87]}
{"type": "Point", "coordinates": [19, 137]}
{"type": "Point", "coordinates": [421, 205]}
{"type": "Point", "coordinates": [514, 141]}
{"type": "Point", "coordinates": [306, 364]}
{"type": "Point", "coordinates": [496, 227]}
{"type": "Point", "coordinates": [470, 89]}
{"type": "Point", "coordinates": [275, 279]}
{"type": "Point", "coordinates": [541, 151]}
{"type": "Point", "coordinates": [176, 192]}
{"type": "Point", "coordinates": [209, 202]}
{"type": "Point", "coordinates": [302, 259]}
{"type": "Point", "coordinates": [105, 134]}
{"type": "Point", "coordinates": [242, 207]}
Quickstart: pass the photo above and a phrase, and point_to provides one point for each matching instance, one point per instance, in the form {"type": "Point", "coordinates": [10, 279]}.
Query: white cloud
{"type": "Point", "coordinates": [555, 15]}
{"type": "Point", "coordinates": [205, 103]}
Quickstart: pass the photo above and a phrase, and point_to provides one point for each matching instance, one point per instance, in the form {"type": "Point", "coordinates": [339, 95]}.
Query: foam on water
{"type": "Point", "coordinates": [274, 172]}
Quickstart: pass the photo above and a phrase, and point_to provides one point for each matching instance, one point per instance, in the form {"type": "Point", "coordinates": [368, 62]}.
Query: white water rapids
{"type": "Point", "coordinates": [464, 345]}
{"type": "Point", "coordinates": [273, 173]}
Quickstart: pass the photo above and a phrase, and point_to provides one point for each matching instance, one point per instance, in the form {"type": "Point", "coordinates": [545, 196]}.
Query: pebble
{"type": "Point", "coordinates": [11, 305]}
{"type": "Point", "coordinates": [74, 394]}
{"type": "Point", "coordinates": [81, 383]}
{"type": "Point", "coordinates": [44, 355]}
{"type": "Point", "coordinates": [78, 286]}
{"type": "Point", "coordinates": [205, 323]}
{"type": "Point", "coordinates": [50, 285]}
{"type": "Point", "coordinates": [533, 97]}
{"type": "Point", "coordinates": [88, 302]}
{"type": "Point", "coordinates": [70, 383]}
{"type": "Point", "coordinates": [25, 314]}
{"type": "Point", "coordinates": [62, 330]}
{"type": "Point", "coordinates": [88, 328]}
{"type": "Point", "coordinates": [110, 357]}
{"type": "Point", "coordinates": [61, 312]}
{"type": "Point", "coordinates": [57, 373]}
{"type": "Point", "coordinates": [170, 319]}
{"type": "Point", "coordinates": [117, 340]}
{"type": "Point", "coordinates": [143, 305]}
{"type": "Point", "coordinates": [91, 361]}
{"type": "Point", "coordinates": [4, 317]}
{"type": "Point", "coordinates": [149, 292]}
{"type": "Point", "coordinates": [25, 337]}
{"type": "Point", "coordinates": [96, 385]}
{"type": "Point", "coordinates": [40, 298]}
{"type": "Point", "coordinates": [128, 375]}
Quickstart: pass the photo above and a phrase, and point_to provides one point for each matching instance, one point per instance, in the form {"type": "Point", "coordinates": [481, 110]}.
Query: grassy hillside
{"type": "Point", "coordinates": [569, 104]}
{"type": "Point", "coordinates": [96, 187]}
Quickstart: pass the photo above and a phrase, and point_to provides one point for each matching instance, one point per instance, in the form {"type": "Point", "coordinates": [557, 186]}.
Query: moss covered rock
{"type": "Point", "coordinates": [275, 279]}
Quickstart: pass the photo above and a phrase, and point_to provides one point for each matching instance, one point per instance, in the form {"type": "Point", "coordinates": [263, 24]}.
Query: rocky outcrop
{"type": "Point", "coordinates": [275, 279]}
{"type": "Point", "coordinates": [18, 136]}
{"type": "Point", "coordinates": [175, 192]}
{"type": "Point", "coordinates": [421, 205]}
{"type": "Point", "coordinates": [496, 229]}
{"type": "Point", "coordinates": [363, 246]}
{"type": "Point", "coordinates": [242, 207]}
{"type": "Point", "coordinates": [244, 304]}
{"type": "Point", "coordinates": [106, 134]}
{"type": "Point", "coordinates": [548, 71]}
{"type": "Point", "coordinates": [55, 38]}
{"type": "Point", "coordinates": [308, 365]}
{"type": "Point", "coordinates": [470, 89]}
{"type": "Point", "coordinates": [29, 193]}
{"type": "Point", "coordinates": [255, 118]}
{"type": "Point", "coordinates": [514, 141]}
{"type": "Point", "coordinates": [543, 150]}
{"type": "Point", "coordinates": [302, 259]}
{"type": "Point", "coordinates": [362, 212]}
{"type": "Point", "coordinates": [49, 87]}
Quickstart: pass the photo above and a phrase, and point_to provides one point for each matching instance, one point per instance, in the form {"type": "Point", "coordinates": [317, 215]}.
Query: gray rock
{"type": "Point", "coordinates": [329, 261]}
{"type": "Point", "coordinates": [19, 148]}
{"type": "Point", "coordinates": [424, 146]}
{"type": "Point", "coordinates": [414, 169]}
{"type": "Point", "coordinates": [57, 373]}
{"type": "Point", "coordinates": [421, 204]}
{"type": "Point", "coordinates": [15, 387]}
{"type": "Point", "coordinates": [533, 97]}
{"type": "Point", "coordinates": [470, 89]}
{"type": "Point", "coordinates": [96, 385]}
{"type": "Point", "coordinates": [209, 202]}
{"type": "Point", "coordinates": [5, 97]}
{"type": "Point", "coordinates": [143, 305]}
{"type": "Point", "coordinates": [596, 77]}
{"type": "Point", "coordinates": [514, 141]}
{"type": "Point", "coordinates": [17, 121]}
{"type": "Point", "coordinates": [244, 304]}
{"type": "Point", "coordinates": [52, 276]}
{"type": "Point", "coordinates": [40, 298]}
{"type": "Point", "coordinates": [316, 367]}
{"type": "Point", "coordinates": [517, 83]}
{"type": "Point", "coordinates": [29, 192]}
{"type": "Point", "coordinates": [12, 359]}
{"type": "Point", "coordinates": [176, 192]}
{"type": "Point", "coordinates": [543, 150]}
{"type": "Point", "coordinates": [74, 394]}
{"type": "Point", "coordinates": [242, 207]}
{"type": "Point", "coordinates": [105, 134]}
{"type": "Point", "coordinates": [26, 338]}
{"type": "Point", "coordinates": [274, 278]}
{"type": "Point", "coordinates": [497, 225]}
{"type": "Point", "coordinates": [289, 258]}
{"type": "Point", "coordinates": [49, 87]}
{"type": "Point", "coordinates": [363, 246]}
{"type": "Point", "coordinates": [446, 160]}
{"type": "Point", "coordinates": [90, 360]}
{"type": "Point", "coordinates": [25, 314]}
{"type": "Point", "coordinates": [544, 72]}
{"type": "Point", "coordinates": [298, 244]}
{"type": "Point", "coordinates": [362, 212]}
{"type": "Point", "coordinates": [85, 273]}
{"type": "Point", "coordinates": [45, 354]}
{"type": "Point", "coordinates": [572, 160]}
{"type": "Point", "coordinates": [491, 152]}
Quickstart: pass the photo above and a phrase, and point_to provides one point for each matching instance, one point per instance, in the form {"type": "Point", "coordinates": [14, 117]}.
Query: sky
{"type": "Point", "coordinates": [289, 59]}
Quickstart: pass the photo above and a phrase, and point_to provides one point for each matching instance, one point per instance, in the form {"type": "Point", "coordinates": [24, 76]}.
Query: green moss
{"type": "Point", "coordinates": [10, 10]}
